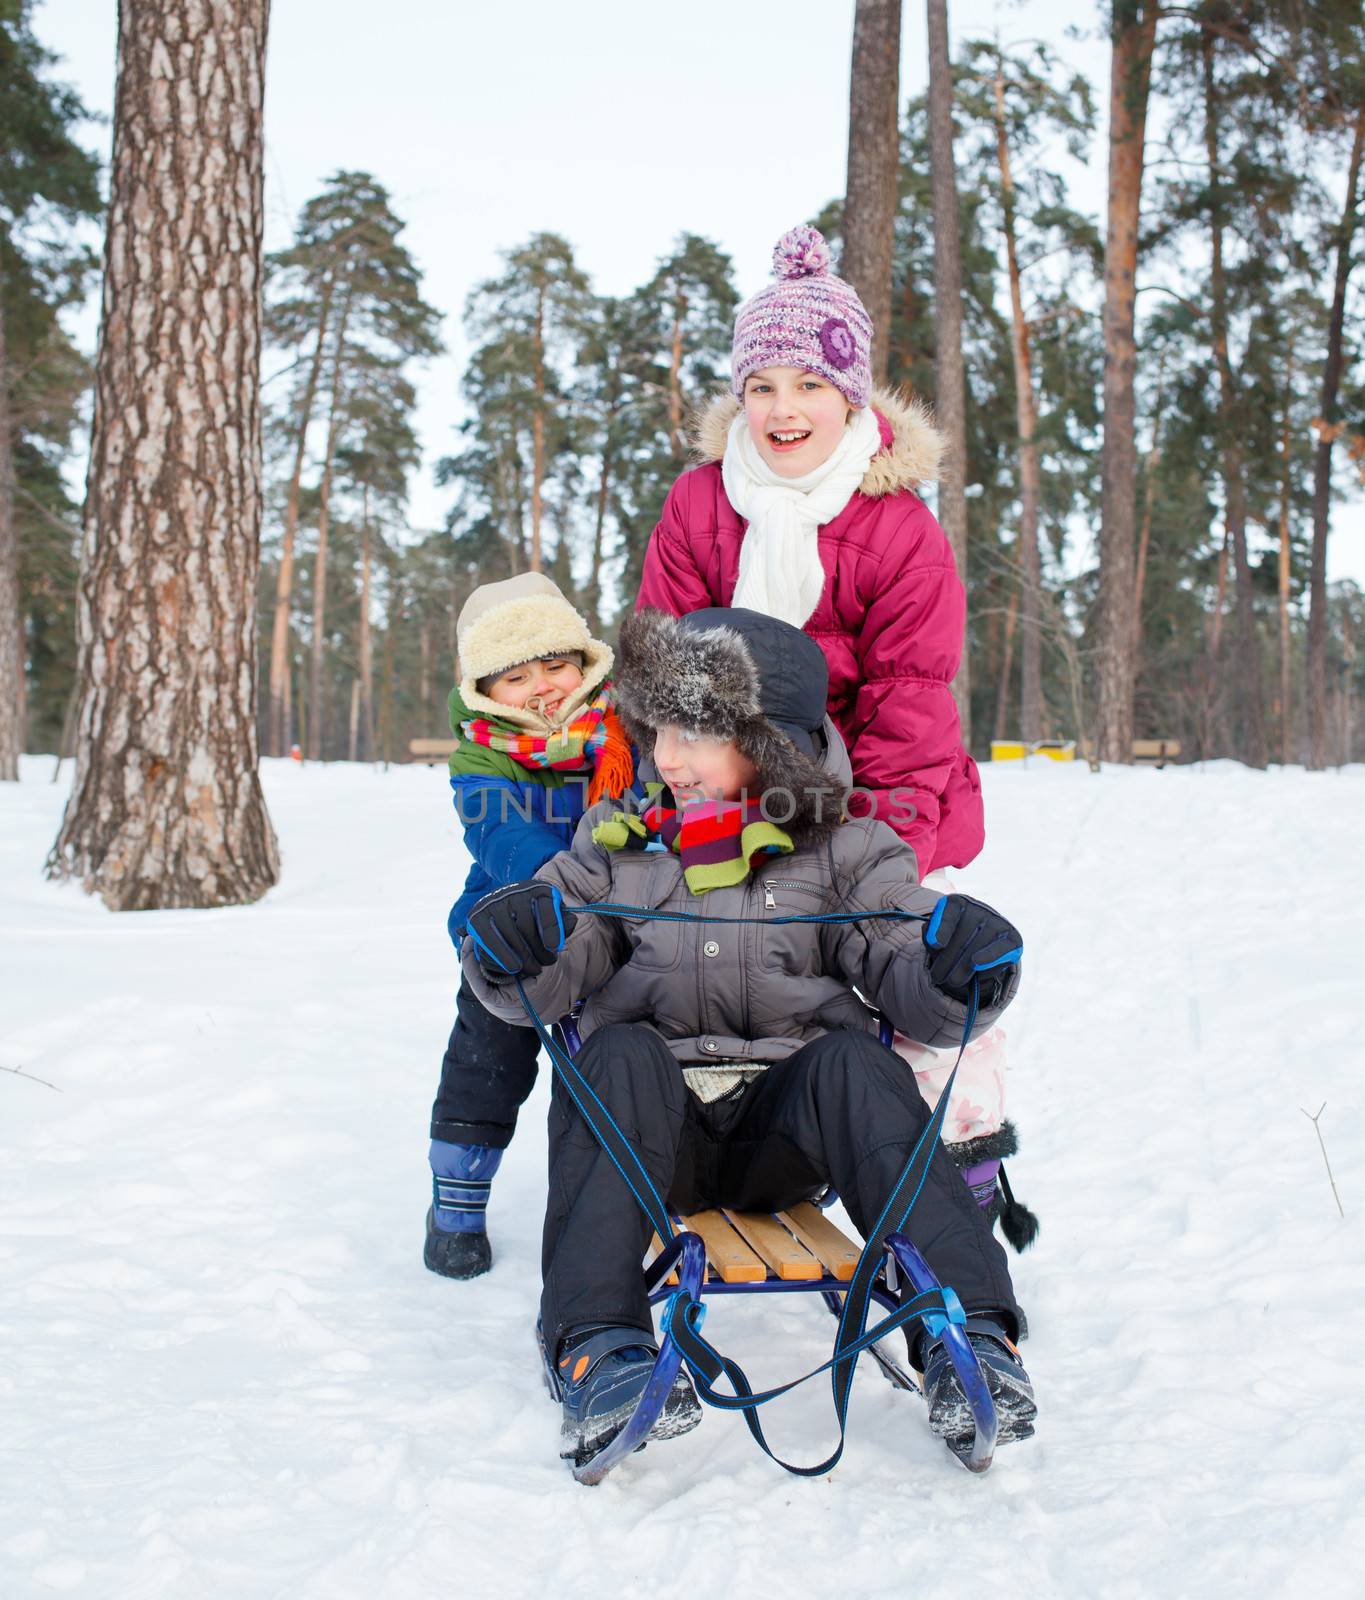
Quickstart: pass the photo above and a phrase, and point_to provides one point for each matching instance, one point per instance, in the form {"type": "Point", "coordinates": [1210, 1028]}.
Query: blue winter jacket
{"type": "Point", "coordinates": [511, 828]}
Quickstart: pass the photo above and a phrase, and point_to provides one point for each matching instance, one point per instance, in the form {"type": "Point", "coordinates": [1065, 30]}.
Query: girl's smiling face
{"type": "Point", "coordinates": [549, 681]}
{"type": "Point", "coordinates": [697, 769]}
{"type": "Point", "coordinates": [796, 418]}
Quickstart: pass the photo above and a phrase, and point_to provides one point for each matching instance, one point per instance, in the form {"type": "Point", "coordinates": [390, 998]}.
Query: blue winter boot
{"type": "Point", "coordinates": [950, 1415]}
{"type": "Point", "coordinates": [603, 1372]}
{"type": "Point", "coordinates": [457, 1237]}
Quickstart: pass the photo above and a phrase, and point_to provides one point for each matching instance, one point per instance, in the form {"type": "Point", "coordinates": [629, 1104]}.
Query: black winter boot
{"type": "Point", "coordinates": [456, 1255]}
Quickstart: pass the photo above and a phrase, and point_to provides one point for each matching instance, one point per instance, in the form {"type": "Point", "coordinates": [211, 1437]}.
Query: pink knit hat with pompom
{"type": "Point", "coordinates": [807, 318]}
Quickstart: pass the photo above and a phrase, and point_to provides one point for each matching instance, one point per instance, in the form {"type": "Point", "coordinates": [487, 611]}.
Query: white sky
{"type": "Point", "coordinates": [614, 122]}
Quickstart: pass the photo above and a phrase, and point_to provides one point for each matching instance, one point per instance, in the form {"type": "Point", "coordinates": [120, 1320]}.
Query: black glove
{"type": "Point", "coordinates": [519, 930]}
{"type": "Point", "coordinates": [965, 939]}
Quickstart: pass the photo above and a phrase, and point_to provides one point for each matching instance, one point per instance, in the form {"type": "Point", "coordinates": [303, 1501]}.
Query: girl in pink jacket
{"type": "Point", "coordinates": [805, 507]}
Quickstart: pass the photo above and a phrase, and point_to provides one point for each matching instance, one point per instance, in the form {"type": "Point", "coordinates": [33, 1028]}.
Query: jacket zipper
{"type": "Point", "coordinates": [769, 884]}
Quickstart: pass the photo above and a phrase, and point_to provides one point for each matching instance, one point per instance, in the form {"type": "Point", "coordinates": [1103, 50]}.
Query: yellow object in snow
{"type": "Point", "coordinates": [1017, 750]}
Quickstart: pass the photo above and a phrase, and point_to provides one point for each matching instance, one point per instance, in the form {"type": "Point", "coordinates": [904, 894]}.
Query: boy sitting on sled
{"type": "Point", "coordinates": [735, 1057]}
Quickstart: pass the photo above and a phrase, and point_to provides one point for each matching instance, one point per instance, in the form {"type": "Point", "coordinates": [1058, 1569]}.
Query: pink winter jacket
{"type": "Point", "coordinates": [890, 621]}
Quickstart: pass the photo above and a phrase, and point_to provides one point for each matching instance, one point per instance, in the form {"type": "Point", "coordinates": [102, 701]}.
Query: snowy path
{"type": "Point", "coordinates": [224, 1371]}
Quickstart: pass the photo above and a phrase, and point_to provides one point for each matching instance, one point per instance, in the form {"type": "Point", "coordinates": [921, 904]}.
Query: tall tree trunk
{"type": "Point", "coordinates": [873, 163]}
{"type": "Point", "coordinates": [1026, 417]}
{"type": "Point", "coordinates": [675, 399]}
{"type": "Point", "coordinates": [354, 730]}
{"type": "Point", "coordinates": [276, 734]}
{"type": "Point", "coordinates": [302, 700]}
{"type": "Point", "coordinates": [950, 385]}
{"type": "Point", "coordinates": [1145, 532]}
{"type": "Point", "coordinates": [537, 434]}
{"type": "Point", "coordinates": [599, 525]}
{"type": "Point", "coordinates": [166, 808]}
{"type": "Point", "coordinates": [1286, 491]}
{"type": "Point", "coordinates": [335, 417]}
{"type": "Point", "coordinates": [424, 677]}
{"type": "Point", "coordinates": [1132, 34]}
{"type": "Point", "coordinates": [1322, 468]}
{"type": "Point", "coordinates": [1002, 695]}
{"type": "Point", "coordinates": [12, 651]}
{"type": "Point", "coordinates": [391, 625]}
{"type": "Point", "coordinates": [1247, 656]}
{"type": "Point", "coordinates": [366, 650]}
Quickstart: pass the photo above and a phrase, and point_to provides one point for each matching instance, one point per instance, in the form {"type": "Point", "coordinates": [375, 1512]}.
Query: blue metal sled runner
{"type": "Point", "coordinates": [796, 1251]}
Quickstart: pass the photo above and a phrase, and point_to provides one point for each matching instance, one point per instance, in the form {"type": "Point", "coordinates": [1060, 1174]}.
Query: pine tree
{"type": "Point", "coordinates": [166, 808]}
{"type": "Point", "coordinates": [1132, 39]}
{"type": "Point", "coordinates": [47, 183]}
{"type": "Point", "coordinates": [1024, 105]}
{"type": "Point", "coordinates": [949, 382]}
{"type": "Point", "coordinates": [873, 151]}
{"type": "Point", "coordinates": [348, 292]}
{"type": "Point", "coordinates": [373, 465]}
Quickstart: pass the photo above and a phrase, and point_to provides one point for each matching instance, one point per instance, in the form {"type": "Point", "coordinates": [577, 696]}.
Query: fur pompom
{"type": "Point", "coordinates": [801, 253]}
{"type": "Point", "coordinates": [1018, 1224]}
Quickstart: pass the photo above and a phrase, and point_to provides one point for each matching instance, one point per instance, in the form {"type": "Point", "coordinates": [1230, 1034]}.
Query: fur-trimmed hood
{"type": "Point", "coordinates": [520, 619]}
{"type": "Point", "coordinates": [912, 446]}
{"type": "Point", "coordinates": [705, 680]}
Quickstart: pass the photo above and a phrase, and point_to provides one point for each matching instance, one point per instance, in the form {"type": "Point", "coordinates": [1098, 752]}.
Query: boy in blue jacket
{"type": "Point", "coordinates": [539, 743]}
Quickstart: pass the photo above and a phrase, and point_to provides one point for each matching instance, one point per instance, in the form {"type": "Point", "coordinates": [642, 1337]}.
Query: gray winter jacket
{"type": "Point", "coordinates": [745, 991]}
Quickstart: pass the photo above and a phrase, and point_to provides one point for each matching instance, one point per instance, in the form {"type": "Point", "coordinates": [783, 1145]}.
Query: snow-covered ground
{"type": "Point", "coordinates": [224, 1371]}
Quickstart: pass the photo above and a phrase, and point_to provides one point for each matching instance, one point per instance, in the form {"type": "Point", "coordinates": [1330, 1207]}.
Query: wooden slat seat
{"type": "Point", "coordinates": [800, 1245]}
{"type": "Point", "coordinates": [781, 1249]}
{"type": "Point", "coordinates": [832, 1247]}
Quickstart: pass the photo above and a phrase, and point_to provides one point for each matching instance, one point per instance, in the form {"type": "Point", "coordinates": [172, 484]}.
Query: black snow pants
{"type": "Point", "coordinates": [488, 1071]}
{"type": "Point", "coordinates": [843, 1110]}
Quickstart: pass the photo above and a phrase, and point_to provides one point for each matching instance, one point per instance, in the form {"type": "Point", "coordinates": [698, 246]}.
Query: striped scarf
{"type": "Point", "coordinates": [720, 842]}
{"type": "Point", "coordinates": [593, 739]}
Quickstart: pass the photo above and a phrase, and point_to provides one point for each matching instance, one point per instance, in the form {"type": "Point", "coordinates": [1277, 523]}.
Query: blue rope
{"type": "Point", "coordinates": [705, 1363]}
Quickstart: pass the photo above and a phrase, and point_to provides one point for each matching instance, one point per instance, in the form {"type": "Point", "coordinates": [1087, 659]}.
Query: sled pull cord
{"type": "Point", "coordinates": [684, 1312]}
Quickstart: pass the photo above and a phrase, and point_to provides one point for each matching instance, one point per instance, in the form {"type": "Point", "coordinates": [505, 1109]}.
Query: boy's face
{"type": "Point", "coordinates": [796, 418]}
{"type": "Point", "coordinates": [697, 770]}
{"type": "Point", "coordinates": [549, 681]}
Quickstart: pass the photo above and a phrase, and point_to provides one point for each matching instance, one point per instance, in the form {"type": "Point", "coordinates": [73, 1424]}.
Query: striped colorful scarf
{"type": "Point", "coordinates": [593, 739]}
{"type": "Point", "coordinates": [720, 842]}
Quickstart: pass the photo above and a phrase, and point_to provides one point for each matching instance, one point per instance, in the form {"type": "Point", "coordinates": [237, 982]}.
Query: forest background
{"type": "Point", "coordinates": [501, 279]}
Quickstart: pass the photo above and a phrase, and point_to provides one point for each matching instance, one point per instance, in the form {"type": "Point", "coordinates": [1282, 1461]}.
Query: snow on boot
{"type": "Point", "coordinates": [457, 1237]}
{"type": "Point", "coordinates": [603, 1372]}
{"type": "Point", "coordinates": [950, 1416]}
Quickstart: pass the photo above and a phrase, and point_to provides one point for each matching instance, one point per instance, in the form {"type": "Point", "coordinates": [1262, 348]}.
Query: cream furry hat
{"type": "Point", "coordinates": [524, 619]}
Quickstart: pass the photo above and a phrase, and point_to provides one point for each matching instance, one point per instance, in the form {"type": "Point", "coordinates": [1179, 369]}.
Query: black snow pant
{"type": "Point", "coordinates": [842, 1110]}
{"type": "Point", "coordinates": [488, 1070]}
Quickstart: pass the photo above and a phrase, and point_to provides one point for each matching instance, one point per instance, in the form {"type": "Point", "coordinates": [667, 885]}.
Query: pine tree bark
{"type": "Point", "coordinates": [537, 435]}
{"type": "Point", "coordinates": [871, 191]}
{"type": "Point", "coordinates": [675, 399]}
{"type": "Point", "coordinates": [1322, 468]}
{"type": "Point", "coordinates": [1026, 418]}
{"type": "Point", "coordinates": [12, 650]}
{"type": "Point", "coordinates": [276, 733]}
{"type": "Point", "coordinates": [1133, 33]}
{"type": "Point", "coordinates": [166, 808]}
{"type": "Point", "coordinates": [335, 418]}
{"type": "Point", "coordinates": [1247, 656]}
{"type": "Point", "coordinates": [950, 384]}
{"type": "Point", "coordinates": [1002, 695]}
{"type": "Point", "coordinates": [366, 650]}
{"type": "Point", "coordinates": [1286, 492]}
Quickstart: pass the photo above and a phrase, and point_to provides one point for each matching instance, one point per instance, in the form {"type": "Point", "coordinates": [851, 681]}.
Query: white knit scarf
{"type": "Point", "coordinates": [779, 562]}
